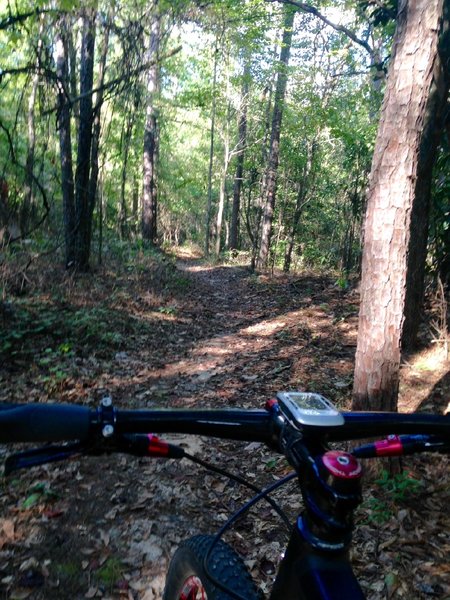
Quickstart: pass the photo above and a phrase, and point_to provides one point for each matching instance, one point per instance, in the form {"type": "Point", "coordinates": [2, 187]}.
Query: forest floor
{"type": "Point", "coordinates": [178, 332]}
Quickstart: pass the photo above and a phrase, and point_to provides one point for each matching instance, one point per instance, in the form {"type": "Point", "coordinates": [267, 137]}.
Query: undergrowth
{"type": "Point", "coordinates": [63, 315]}
{"type": "Point", "coordinates": [390, 493]}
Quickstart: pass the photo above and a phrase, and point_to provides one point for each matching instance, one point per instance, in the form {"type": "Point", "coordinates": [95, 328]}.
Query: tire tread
{"type": "Point", "coordinates": [224, 564]}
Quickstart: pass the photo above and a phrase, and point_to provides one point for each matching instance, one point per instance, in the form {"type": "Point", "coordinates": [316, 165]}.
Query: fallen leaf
{"type": "Point", "coordinates": [138, 586]}
{"type": "Point", "coordinates": [6, 531]}
{"type": "Point", "coordinates": [104, 536]}
{"type": "Point", "coordinates": [20, 594]}
{"type": "Point", "coordinates": [31, 501]}
{"type": "Point", "coordinates": [92, 592]}
{"type": "Point", "coordinates": [30, 563]}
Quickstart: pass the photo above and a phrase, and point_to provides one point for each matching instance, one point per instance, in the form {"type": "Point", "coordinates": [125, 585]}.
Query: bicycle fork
{"type": "Point", "coordinates": [316, 563]}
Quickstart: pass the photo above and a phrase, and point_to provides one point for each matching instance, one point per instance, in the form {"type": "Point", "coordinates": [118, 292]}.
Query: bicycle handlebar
{"type": "Point", "coordinates": [43, 422]}
{"type": "Point", "coordinates": [56, 422]}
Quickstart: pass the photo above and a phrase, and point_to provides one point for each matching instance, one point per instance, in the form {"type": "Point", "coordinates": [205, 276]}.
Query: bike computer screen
{"type": "Point", "coordinates": [306, 408]}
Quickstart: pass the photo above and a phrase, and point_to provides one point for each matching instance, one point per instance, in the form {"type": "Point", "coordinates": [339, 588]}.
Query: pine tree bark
{"type": "Point", "coordinates": [274, 150]}
{"type": "Point", "coordinates": [398, 195]}
{"type": "Point", "coordinates": [72, 61]}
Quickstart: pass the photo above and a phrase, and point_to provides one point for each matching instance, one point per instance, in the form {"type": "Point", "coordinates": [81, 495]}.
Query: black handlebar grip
{"type": "Point", "coordinates": [43, 422]}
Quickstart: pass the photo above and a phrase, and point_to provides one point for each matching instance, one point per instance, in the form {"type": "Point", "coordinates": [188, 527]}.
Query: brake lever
{"type": "Point", "coordinates": [41, 456]}
{"type": "Point", "coordinates": [135, 444]}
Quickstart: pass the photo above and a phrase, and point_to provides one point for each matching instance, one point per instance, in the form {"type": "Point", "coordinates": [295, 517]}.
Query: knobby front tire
{"type": "Point", "coordinates": [187, 580]}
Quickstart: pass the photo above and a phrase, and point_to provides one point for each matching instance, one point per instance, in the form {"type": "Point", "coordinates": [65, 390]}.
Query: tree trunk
{"type": "Point", "coordinates": [123, 201]}
{"type": "Point", "coordinates": [96, 130]}
{"type": "Point", "coordinates": [29, 165]}
{"type": "Point", "coordinates": [223, 179]}
{"type": "Point", "coordinates": [434, 124]}
{"type": "Point", "coordinates": [274, 151]}
{"type": "Point", "coordinates": [399, 186]}
{"type": "Point", "coordinates": [83, 214]}
{"type": "Point", "coordinates": [294, 227]}
{"type": "Point", "coordinates": [100, 223]}
{"type": "Point", "coordinates": [126, 143]}
{"type": "Point", "coordinates": [135, 209]}
{"type": "Point", "coordinates": [222, 196]}
{"type": "Point", "coordinates": [255, 234]}
{"type": "Point", "coordinates": [72, 60]}
{"type": "Point", "coordinates": [65, 146]}
{"type": "Point", "coordinates": [304, 186]}
{"type": "Point", "coordinates": [151, 141]}
{"type": "Point", "coordinates": [211, 153]}
{"type": "Point", "coordinates": [238, 178]}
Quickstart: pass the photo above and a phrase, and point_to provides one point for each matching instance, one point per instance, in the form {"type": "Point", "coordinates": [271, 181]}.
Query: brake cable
{"type": "Point", "coordinates": [242, 481]}
{"type": "Point", "coordinates": [263, 494]}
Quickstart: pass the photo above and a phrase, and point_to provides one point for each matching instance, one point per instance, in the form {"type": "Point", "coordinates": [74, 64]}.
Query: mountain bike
{"type": "Point", "coordinates": [300, 426]}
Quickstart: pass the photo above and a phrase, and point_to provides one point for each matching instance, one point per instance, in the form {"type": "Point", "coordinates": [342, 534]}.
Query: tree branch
{"type": "Point", "coordinates": [313, 11]}
{"type": "Point", "coordinates": [114, 82]}
{"type": "Point", "coordinates": [35, 180]}
{"type": "Point", "coordinates": [110, 85]}
{"type": "Point", "coordinates": [8, 22]}
{"type": "Point", "coordinates": [10, 142]}
{"type": "Point", "coordinates": [28, 69]}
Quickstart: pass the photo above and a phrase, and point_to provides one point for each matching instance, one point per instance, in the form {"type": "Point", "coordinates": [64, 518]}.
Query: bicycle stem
{"type": "Point", "coordinates": [316, 558]}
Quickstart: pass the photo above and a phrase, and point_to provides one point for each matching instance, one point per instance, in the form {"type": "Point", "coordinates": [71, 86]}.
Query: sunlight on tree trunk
{"type": "Point", "coordinates": [226, 161]}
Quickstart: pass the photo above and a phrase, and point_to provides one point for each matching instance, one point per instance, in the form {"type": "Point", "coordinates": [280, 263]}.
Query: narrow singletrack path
{"type": "Point", "coordinates": [218, 336]}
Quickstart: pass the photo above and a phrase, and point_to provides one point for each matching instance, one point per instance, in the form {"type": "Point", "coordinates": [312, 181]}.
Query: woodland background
{"type": "Point", "coordinates": [197, 84]}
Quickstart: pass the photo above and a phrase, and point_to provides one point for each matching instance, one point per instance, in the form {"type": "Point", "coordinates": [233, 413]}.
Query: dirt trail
{"type": "Point", "coordinates": [106, 527]}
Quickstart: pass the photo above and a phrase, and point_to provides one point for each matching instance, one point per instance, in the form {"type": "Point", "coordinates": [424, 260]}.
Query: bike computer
{"type": "Point", "coordinates": [306, 408]}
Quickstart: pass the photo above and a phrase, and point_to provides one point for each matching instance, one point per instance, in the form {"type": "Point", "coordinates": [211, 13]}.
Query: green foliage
{"type": "Point", "coordinates": [380, 13]}
{"type": "Point", "coordinates": [40, 493]}
{"type": "Point", "coordinates": [67, 571]}
{"type": "Point", "coordinates": [75, 327]}
{"type": "Point", "coordinates": [400, 486]}
{"type": "Point", "coordinates": [377, 511]}
{"type": "Point", "coordinates": [439, 236]}
{"type": "Point", "coordinates": [110, 572]}
{"type": "Point", "coordinates": [331, 106]}
{"type": "Point", "coordinates": [167, 310]}
{"type": "Point", "coordinates": [394, 490]}
{"type": "Point", "coordinates": [342, 282]}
